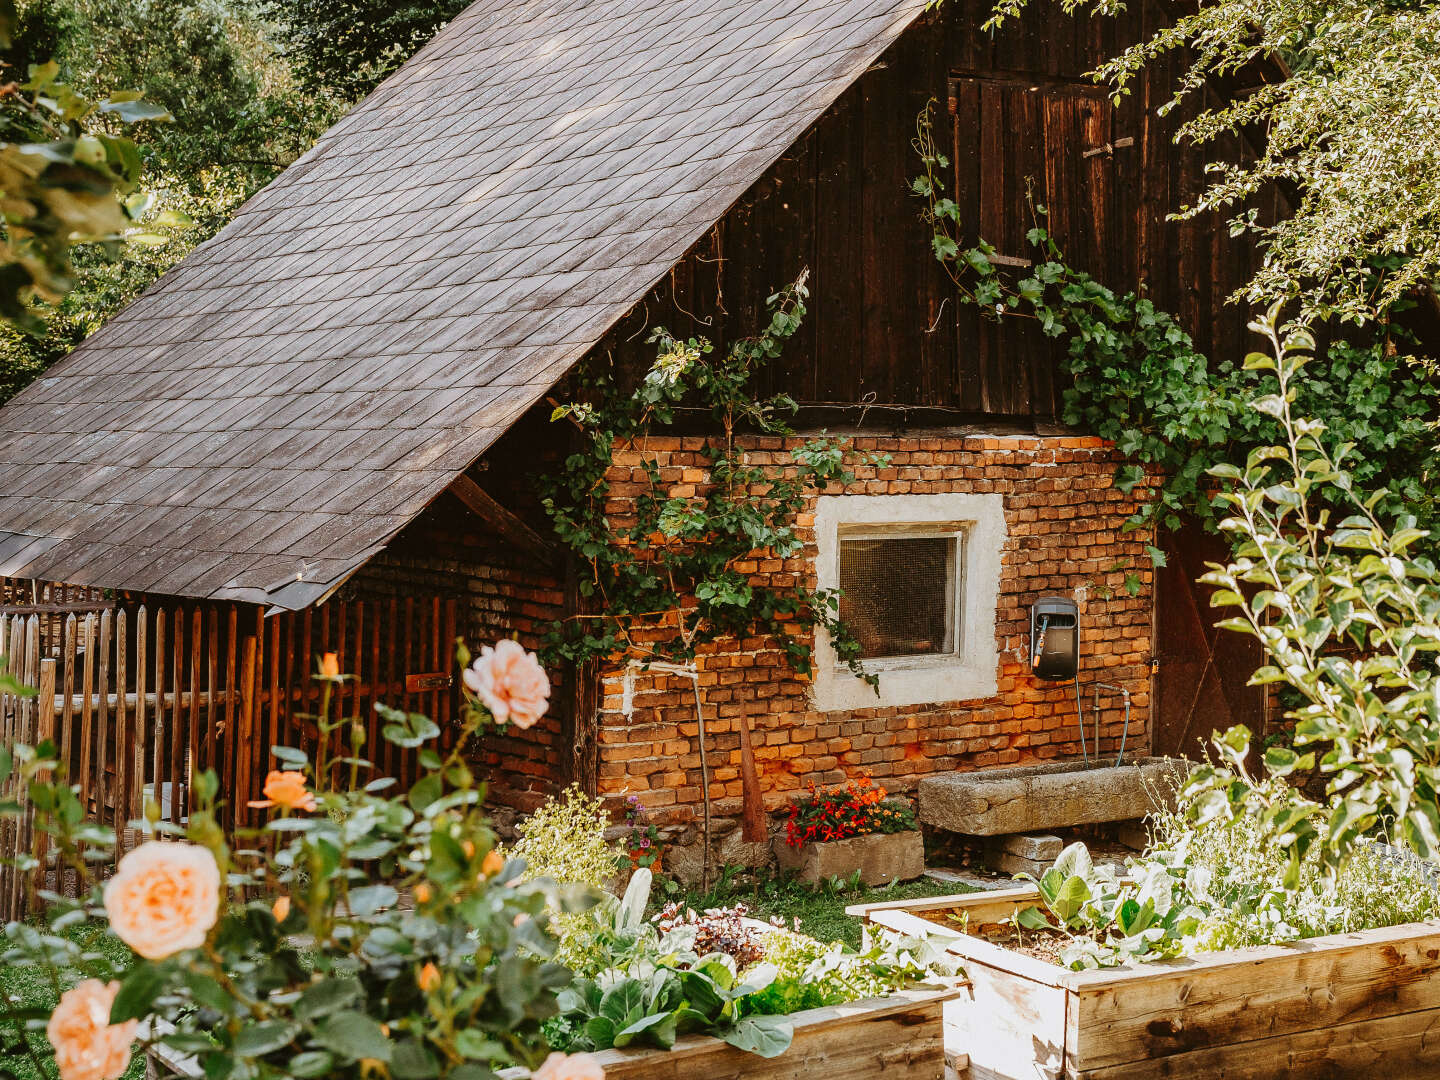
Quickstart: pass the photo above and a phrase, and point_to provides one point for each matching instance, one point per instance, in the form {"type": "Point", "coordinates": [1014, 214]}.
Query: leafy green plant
{"type": "Point", "coordinates": [668, 580]}
{"type": "Point", "coordinates": [1348, 613]}
{"type": "Point", "coordinates": [1112, 921]}
{"type": "Point", "coordinates": [656, 1009]}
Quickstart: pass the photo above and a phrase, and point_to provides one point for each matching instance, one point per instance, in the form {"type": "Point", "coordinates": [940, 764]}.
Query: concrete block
{"type": "Point", "coordinates": [1034, 798]}
{"type": "Point", "coordinates": [1037, 847]}
{"type": "Point", "coordinates": [880, 858]}
{"type": "Point", "coordinates": [1006, 863]}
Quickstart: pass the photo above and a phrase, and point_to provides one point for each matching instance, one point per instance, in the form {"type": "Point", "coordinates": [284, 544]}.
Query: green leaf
{"type": "Point", "coordinates": [138, 990]}
{"type": "Point", "coordinates": [426, 790]}
{"type": "Point", "coordinates": [413, 1060]}
{"type": "Point", "coordinates": [352, 1036]}
{"type": "Point", "coordinates": [325, 997]}
{"type": "Point", "coordinates": [371, 898]}
{"type": "Point", "coordinates": [310, 1063]}
{"type": "Point", "coordinates": [767, 1036]}
{"type": "Point", "coordinates": [257, 1040]}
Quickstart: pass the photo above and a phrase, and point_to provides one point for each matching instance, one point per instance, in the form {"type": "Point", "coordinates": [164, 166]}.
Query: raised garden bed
{"type": "Point", "coordinates": [880, 858]}
{"type": "Point", "coordinates": [899, 1037]}
{"type": "Point", "coordinates": [1363, 1004]}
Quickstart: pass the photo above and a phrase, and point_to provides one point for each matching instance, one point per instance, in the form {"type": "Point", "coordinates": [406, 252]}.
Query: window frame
{"type": "Point", "coordinates": [971, 671]}
{"type": "Point", "coordinates": [957, 533]}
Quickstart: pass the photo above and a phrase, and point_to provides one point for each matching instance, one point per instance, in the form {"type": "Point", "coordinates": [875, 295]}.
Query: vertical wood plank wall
{"type": "Point", "coordinates": [141, 698]}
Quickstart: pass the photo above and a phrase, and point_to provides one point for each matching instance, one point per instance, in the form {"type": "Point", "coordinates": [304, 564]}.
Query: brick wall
{"type": "Point", "coordinates": [1064, 537]}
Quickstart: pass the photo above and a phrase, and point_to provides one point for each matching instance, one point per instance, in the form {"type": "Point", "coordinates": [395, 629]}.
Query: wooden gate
{"type": "Point", "coordinates": [1201, 672]}
{"type": "Point", "coordinates": [140, 699]}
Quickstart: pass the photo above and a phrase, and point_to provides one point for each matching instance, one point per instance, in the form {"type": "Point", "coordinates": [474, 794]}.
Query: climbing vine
{"type": "Point", "coordinates": [1138, 381]}
{"type": "Point", "coordinates": [668, 577]}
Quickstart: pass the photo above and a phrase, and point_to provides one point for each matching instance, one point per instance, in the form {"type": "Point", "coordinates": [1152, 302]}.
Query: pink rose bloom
{"type": "Point", "coordinates": [570, 1067]}
{"type": "Point", "coordinates": [164, 898]}
{"type": "Point", "coordinates": [87, 1045]}
{"type": "Point", "coordinates": [510, 683]}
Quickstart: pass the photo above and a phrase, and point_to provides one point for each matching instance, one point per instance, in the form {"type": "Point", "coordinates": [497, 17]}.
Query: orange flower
{"type": "Point", "coordinates": [509, 682]}
{"type": "Point", "coordinates": [429, 978]}
{"type": "Point", "coordinates": [570, 1067]}
{"type": "Point", "coordinates": [286, 790]}
{"type": "Point", "coordinates": [164, 898]}
{"type": "Point", "coordinates": [330, 666]}
{"type": "Point", "coordinates": [494, 862]}
{"type": "Point", "coordinates": [423, 893]}
{"type": "Point", "coordinates": [281, 910]}
{"type": "Point", "coordinates": [87, 1045]}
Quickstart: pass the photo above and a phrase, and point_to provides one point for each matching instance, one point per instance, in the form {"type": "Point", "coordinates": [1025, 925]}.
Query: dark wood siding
{"type": "Point", "coordinates": [886, 339]}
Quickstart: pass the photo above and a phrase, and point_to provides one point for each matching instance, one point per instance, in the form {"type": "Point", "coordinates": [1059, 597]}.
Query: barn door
{"type": "Point", "coordinates": [1053, 142]}
{"type": "Point", "coordinates": [1201, 672]}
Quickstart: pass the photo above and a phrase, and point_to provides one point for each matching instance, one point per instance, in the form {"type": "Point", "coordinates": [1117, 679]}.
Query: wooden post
{"type": "Point", "coordinates": [44, 732]}
{"type": "Point", "coordinates": [142, 734]}
{"type": "Point", "coordinates": [124, 740]}
{"type": "Point", "coordinates": [752, 808]}
{"type": "Point", "coordinates": [245, 735]}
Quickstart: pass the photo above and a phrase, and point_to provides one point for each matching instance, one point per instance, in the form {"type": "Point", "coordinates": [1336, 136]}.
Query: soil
{"type": "Point", "coordinates": [1042, 945]}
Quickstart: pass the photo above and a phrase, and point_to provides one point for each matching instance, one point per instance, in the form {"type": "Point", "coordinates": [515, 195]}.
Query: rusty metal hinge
{"type": "Point", "coordinates": [1110, 147]}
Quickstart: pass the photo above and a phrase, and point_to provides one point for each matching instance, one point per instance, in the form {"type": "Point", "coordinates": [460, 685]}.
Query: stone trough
{"type": "Point", "coordinates": [1035, 798]}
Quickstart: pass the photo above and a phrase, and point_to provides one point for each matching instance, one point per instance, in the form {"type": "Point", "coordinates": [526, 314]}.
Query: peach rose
{"type": "Point", "coordinates": [570, 1067]}
{"type": "Point", "coordinates": [164, 898]}
{"type": "Point", "coordinates": [87, 1045]}
{"type": "Point", "coordinates": [330, 666]}
{"type": "Point", "coordinates": [510, 683]}
{"type": "Point", "coordinates": [429, 978]}
{"type": "Point", "coordinates": [281, 910]}
{"type": "Point", "coordinates": [493, 863]}
{"type": "Point", "coordinates": [286, 790]}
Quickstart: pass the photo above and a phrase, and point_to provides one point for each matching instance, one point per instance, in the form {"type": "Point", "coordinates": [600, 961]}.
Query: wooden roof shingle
{"type": "Point", "coordinates": [282, 402]}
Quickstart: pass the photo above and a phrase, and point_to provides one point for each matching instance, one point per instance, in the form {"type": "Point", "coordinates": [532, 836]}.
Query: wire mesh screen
{"type": "Point", "coordinates": [898, 594]}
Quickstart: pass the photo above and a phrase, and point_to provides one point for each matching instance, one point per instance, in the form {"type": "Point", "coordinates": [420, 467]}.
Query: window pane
{"type": "Point", "coordinates": [898, 594]}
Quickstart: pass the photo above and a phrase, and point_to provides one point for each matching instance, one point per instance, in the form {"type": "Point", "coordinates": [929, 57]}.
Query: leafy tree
{"type": "Point", "coordinates": [347, 47]}
{"type": "Point", "coordinates": [1346, 111]}
{"type": "Point", "coordinates": [68, 176]}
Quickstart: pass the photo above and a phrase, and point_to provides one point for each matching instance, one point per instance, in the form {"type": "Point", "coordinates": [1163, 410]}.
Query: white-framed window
{"type": "Point", "coordinates": [919, 577]}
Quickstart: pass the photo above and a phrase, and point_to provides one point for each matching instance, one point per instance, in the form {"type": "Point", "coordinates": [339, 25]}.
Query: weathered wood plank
{"type": "Point", "coordinates": [1400, 1047]}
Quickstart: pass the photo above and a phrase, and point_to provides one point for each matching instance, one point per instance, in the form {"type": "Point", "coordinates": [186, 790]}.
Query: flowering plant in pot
{"type": "Point", "coordinates": [643, 839]}
{"type": "Point", "coordinates": [286, 950]}
{"type": "Point", "coordinates": [858, 808]}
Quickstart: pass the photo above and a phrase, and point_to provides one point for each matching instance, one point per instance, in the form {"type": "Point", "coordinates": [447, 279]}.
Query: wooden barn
{"type": "Point", "coordinates": [321, 430]}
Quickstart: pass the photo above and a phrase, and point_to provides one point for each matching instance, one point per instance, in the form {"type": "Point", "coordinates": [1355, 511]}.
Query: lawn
{"type": "Point", "coordinates": [820, 910]}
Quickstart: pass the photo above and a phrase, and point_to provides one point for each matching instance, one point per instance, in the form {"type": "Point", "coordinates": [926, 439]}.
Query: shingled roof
{"type": "Point", "coordinates": [286, 399]}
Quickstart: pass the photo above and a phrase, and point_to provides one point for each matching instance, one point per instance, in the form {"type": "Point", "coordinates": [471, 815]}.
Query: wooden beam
{"type": "Point", "coordinates": [503, 521]}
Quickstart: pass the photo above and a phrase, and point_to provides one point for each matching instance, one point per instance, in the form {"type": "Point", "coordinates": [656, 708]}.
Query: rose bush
{"type": "Point", "coordinates": [286, 951]}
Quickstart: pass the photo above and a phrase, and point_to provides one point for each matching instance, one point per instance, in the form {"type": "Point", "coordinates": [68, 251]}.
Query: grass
{"type": "Point", "coordinates": [820, 909]}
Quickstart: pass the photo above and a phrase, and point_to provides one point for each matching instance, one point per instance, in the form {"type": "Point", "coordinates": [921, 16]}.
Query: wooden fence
{"type": "Point", "coordinates": [139, 699]}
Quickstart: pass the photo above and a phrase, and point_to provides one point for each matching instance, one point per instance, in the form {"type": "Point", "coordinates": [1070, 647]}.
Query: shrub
{"type": "Point", "coordinates": [856, 809]}
{"type": "Point", "coordinates": [451, 989]}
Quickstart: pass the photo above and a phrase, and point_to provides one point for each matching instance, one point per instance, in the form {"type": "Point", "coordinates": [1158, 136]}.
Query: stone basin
{"type": "Point", "coordinates": [1032, 798]}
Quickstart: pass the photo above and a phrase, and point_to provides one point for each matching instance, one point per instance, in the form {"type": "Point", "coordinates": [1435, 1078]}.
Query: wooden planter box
{"type": "Point", "coordinates": [1365, 1004]}
{"type": "Point", "coordinates": [880, 858]}
{"type": "Point", "coordinates": [898, 1037]}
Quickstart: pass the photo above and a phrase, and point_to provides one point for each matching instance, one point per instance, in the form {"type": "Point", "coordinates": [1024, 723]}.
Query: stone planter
{"type": "Point", "coordinates": [1357, 1005]}
{"type": "Point", "coordinates": [880, 858]}
{"type": "Point", "coordinates": [1034, 798]}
